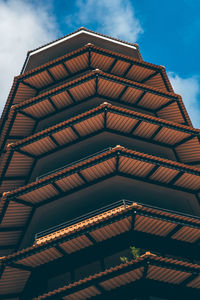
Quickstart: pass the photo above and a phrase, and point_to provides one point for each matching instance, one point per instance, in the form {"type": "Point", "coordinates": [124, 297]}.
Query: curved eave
{"type": "Point", "coordinates": [125, 218]}
{"type": "Point", "coordinates": [101, 227]}
{"type": "Point", "coordinates": [146, 267]}
{"type": "Point", "coordinates": [109, 108]}
{"type": "Point", "coordinates": [17, 206]}
{"type": "Point", "coordinates": [166, 105]}
{"type": "Point", "coordinates": [104, 118]}
{"type": "Point", "coordinates": [161, 98]}
{"type": "Point", "coordinates": [74, 36]}
{"type": "Point", "coordinates": [167, 224]}
{"type": "Point", "coordinates": [105, 59]}
{"type": "Point", "coordinates": [117, 161]}
{"type": "Point", "coordinates": [27, 85]}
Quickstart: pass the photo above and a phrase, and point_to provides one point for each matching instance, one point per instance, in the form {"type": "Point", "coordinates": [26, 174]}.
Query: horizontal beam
{"type": "Point", "coordinates": [20, 266]}
{"type": "Point", "coordinates": [20, 178]}
{"type": "Point", "coordinates": [10, 296]}
{"type": "Point", "coordinates": [7, 247]}
{"type": "Point", "coordinates": [29, 85]}
{"type": "Point", "coordinates": [13, 228]}
{"type": "Point", "coordinates": [150, 76]}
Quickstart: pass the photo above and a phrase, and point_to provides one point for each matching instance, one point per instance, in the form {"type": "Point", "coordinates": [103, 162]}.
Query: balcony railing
{"type": "Point", "coordinates": [122, 202]}
{"type": "Point", "coordinates": [73, 163]}
{"type": "Point", "coordinates": [91, 214]}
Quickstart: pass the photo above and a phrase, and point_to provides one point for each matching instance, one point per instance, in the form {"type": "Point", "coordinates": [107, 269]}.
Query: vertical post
{"type": "Point", "coordinates": [124, 202]}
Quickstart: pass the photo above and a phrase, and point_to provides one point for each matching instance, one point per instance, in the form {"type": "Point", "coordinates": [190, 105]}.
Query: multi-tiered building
{"type": "Point", "coordinates": [98, 154]}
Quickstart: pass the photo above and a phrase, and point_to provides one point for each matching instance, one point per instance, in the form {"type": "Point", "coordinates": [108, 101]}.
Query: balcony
{"type": "Point", "coordinates": [121, 203]}
{"type": "Point", "coordinates": [112, 229]}
{"type": "Point", "coordinates": [168, 276]}
{"type": "Point", "coordinates": [162, 222]}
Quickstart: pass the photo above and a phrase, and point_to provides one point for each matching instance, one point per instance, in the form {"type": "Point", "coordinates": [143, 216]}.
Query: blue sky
{"type": "Point", "coordinates": [168, 33]}
{"type": "Point", "coordinates": [171, 29]}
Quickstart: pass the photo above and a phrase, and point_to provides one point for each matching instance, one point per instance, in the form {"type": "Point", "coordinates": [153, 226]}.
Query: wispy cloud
{"type": "Point", "coordinates": [189, 89]}
{"type": "Point", "coordinates": [24, 25]}
{"type": "Point", "coordinates": [112, 17]}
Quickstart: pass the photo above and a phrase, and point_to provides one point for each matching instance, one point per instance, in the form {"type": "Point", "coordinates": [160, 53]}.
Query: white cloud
{"type": "Point", "coordinates": [112, 17]}
{"type": "Point", "coordinates": [24, 25]}
{"type": "Point", "coordinates": [189, 89]}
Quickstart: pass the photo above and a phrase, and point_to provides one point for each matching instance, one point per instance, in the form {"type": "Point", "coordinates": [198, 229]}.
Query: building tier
{"type": "Point", "coordinates": [93, 244]}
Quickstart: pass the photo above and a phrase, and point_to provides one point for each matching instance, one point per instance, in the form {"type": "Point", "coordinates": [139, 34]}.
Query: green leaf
{"type": "Point", "coordinates": [124, 259]}
{"type": "Point", "coordinates": [135, 252]}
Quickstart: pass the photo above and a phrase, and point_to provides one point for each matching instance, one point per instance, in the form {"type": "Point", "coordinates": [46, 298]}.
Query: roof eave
{"type": "Point", "coordinates": [76, 33]}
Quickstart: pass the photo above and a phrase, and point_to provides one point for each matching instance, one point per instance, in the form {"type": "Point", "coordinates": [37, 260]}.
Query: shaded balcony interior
{"type": "Point", "coordinates": [90, 146]}
{"type": "Point", "coordinates": [57, 279]}
{"type": "Point", "coordinates": [142, 288]}
{"type": "Point", "coordinates": [82, 107]}
{"type": "Point", "coordinates": [103, 193]}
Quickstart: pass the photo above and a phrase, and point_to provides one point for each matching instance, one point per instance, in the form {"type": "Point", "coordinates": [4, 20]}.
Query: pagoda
{"type": "Point", "coordinates": [98, 157]}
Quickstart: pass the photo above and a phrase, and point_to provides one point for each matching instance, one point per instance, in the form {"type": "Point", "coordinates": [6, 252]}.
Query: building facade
{"type": "Point", "coordinates": [100, 177]}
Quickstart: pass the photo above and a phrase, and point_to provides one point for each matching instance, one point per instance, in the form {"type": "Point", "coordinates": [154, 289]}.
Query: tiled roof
{"type": "Point", "coordinates": [164, 161]}
{"type": "Point", "coordinates": [116, 108]}
{"type": "Point", "coordinates": [136, 165]}
{"type": "Point", "coordinates": [17, 80]}
{"type": "Point", "coordinates": [101, 227]}
{"type": "Point", "coordinates": [147, 87]}
{"type": "Point", "coordinates": [163, 96]}
{"type": "Point", "coordinates": [86, 30]}
{"type": "Point", "coordinates": [117, 119]}
{"type": "Point", "coordinates": [91, 46]}
{"type": "Point", "coordinates": [162, 222]}
{"type": "Point", "coordinates": [71, 230]}
{"type": "Point", "coordinates": [139, 208]}
{"type": "Point", "coordinates": [20, 77]}
{"type": "Point", "coordinates": [97, 71]}
{"type": "Point", "coordinates": [108, 282]}
{"type": "Point", "coordinates": [127, 157]}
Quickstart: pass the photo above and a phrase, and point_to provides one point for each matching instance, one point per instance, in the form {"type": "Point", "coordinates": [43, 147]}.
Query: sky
{"type": "Point", "coordinates": [167, 32]}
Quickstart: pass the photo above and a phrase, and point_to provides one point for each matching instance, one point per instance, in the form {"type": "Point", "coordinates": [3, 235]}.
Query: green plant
{"type": "Point", "coordinates": [135, 252]}
{"type": "Point", "coordinates": [124, 259]}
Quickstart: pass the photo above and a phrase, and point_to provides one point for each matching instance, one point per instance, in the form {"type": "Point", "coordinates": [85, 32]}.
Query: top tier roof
{"type": "Point", "coordinates": [74, 41]}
